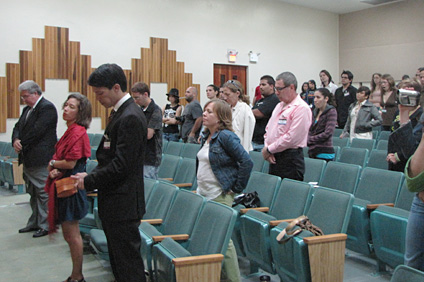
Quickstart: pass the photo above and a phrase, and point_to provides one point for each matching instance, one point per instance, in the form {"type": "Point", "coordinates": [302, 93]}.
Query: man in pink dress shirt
{"type": "Point", "coordinates": [287, 130]}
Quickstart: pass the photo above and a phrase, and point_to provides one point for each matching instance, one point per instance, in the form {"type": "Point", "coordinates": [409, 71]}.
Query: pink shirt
{"type": "Point", "coordinates": [288, 126]}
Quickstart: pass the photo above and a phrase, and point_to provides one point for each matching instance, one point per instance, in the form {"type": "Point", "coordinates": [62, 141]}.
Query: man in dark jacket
{"type": "Point", "coordinates": [345, 95]}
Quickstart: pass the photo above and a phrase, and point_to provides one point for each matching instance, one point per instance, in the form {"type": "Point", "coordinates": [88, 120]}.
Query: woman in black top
{"type": "Point", "coordinates": [170, 129]}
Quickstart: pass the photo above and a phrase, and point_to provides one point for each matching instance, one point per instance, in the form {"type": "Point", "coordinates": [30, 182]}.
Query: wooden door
{"type": "Point", "coordinates": [223, 73]}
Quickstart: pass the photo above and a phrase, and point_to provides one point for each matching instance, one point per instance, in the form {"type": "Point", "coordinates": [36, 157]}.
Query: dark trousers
{"type": "Point", "coordinates": [289, 164]}
{"type": "Point", "coordinates": [124, 242]}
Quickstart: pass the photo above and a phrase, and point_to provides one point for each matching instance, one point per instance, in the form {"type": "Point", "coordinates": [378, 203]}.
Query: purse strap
{"type": "Point", "coordinates": [289, 229]}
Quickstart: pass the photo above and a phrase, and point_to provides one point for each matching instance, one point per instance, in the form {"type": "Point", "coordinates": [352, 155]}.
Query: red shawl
{"type": "Point", "coordinates": [73, 145]}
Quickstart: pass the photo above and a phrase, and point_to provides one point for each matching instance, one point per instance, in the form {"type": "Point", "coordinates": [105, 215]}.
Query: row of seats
{"type": "Point", "coordinates": [184, 150]}
{"type": "Point", "coordinates": [10, 172]}
{"type": "Point", "coordinates": [377, 134]}
{"type": "Point", "coordinates": [202, 232]}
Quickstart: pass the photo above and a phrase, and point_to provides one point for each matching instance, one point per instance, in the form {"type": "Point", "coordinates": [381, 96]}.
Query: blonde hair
{"type": "Point", "coordinates": [223, 112]}
{"type": "Point", "coordinates": [234, 86]}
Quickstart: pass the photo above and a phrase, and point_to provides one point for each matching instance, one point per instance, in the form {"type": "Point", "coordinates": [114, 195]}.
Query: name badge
{"type": "Point", "coordinates": [346, 94]}
{"type": "Point", "coordinates": [282, 121]}
{"type": "Point", "coordinates": [383, 110]}
{"type": "Point", "coordinates": [106, 143]}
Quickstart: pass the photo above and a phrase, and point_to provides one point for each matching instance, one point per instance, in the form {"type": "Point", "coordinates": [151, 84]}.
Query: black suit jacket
{"type": "Point", "coordinates": [119, 174]}
{"type": "Point", "coordinates": [37, 134]}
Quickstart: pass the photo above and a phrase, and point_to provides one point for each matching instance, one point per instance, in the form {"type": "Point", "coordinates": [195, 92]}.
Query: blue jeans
{"type": "Point", "coordinates": [171, 136]}
{"type": "Point", "coordinates": [151, 171]}
{"type": "Point", "coordinates": [414, 245]}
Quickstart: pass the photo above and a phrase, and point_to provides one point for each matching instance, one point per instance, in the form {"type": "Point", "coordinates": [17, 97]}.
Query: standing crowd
{"type": "Point", "coordinates": [279, 124]}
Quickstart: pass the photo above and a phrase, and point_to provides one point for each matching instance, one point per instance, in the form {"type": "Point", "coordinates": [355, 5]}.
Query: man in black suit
{"type": "Point", "coordinates": [119, 173]}
{"type": "Point", "coordinates": [33, 138]}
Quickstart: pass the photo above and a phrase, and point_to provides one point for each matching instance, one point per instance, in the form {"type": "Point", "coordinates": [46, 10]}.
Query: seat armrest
{"type": "Point", "coordinates": [276, 222]}
{"type": "Point", "coordinates": [175, 237]}
{"type": "Point", "coordinates": [325, 238]}
{"type": "Point", "coordinates": [92, 195]}
{"type": "Point", "coordinates": [182, 185]}
{"type": "Point", "coordinates": [154, 221]}
{"type": "Point", "coordinates": [167, 179]}
{"type": "Point", "coordinates": [374, 206]}
{"type": "Point", "coordinates": [197, 259]}
{"type": "Point", "coordinates": [261, 209]}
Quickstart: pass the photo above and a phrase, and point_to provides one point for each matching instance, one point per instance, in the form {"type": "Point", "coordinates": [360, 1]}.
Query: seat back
{"type": "Point", "coordinates": [336, 152]}
{"type": "Point", "coordinates": [382, 145]}
{"type": "Point", "coordinates": [183, 213]}
{"type": "Point", "coordinates": [174, 148]}
{"type": "Point", "coordinates": [149, 186]}
{"type": "Point", "coordinates": [91, 164]}
{"type": "Point", "coordinates": [258, 160]}
{"type": "Point", "coordinates": [96, 139]}
{"type": "Point", "coordinates": [341, 176]}
{"type": "Point", "coordinates": [337, 141]}
{"type": "Point", "coordinates": [314, 169]}
{"type": "Point", "coordinates": [164, 145]}
{"type": "Point", "coordinates": [266, 185]}
{"type": "Point", "coordinates": [405, 197]}
{"type": "Point", "coordinates": [292, 199]}
{"type": "Point", "coordinates": [378, 185]}
{"type": "Point", "coordinates": [160, 200]}
{"type": "Point", "coordinates": [384, 135]}
{"type": "Point", "coordinates": [330, 210]}
{"type": "Point", "coordinates": [405, 273]}
{"type": "Point", "coordinates": [190, 151]}
{"type": "Point", "coordinates": [377, 159]}
{"type": "Point", "coordinates": [358, 156]}
{"type": "Point", "coordinates": [168, 166]}
{"type": "Point", "coordinates": [186, 171]}
{"type": "Point", "coordinates": [337, 132]}
{"type": "Point", "coordinates": [363, 143]}
{"type": "Point", "coordinates": [212, 231]}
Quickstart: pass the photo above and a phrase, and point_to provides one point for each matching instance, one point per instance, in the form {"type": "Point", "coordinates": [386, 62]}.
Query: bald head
{"type": "Point", "coordinates": [191, 94]}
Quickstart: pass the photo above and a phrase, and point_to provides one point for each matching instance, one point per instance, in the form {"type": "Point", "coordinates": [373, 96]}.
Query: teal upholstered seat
{"type": "Point", "coordinates": [382, 145]}
{"type": "Point", "coordinates": [337, 141]}
{"type": "Point", "coordinates": [314, 169]}
{"type": "Point", "coordinates": [363, 143]}
{"type": "Point", "coordinates": [180, 219]}
{"type": "Point", "coordinates": [258, 160]}
{"type": "Point", "coordinates": [210, 235]}
{"type": "Point", "coordinates": [388, 229]}
{"type": "Point", "coordinates": [190, 151]}
{"type": "Point", "coordinates": [168, 166]}
{"type": "Point", "coordinates": [377, 159]}
{"type": "Point", "coordinates": [185, 175]}
{"type": "Point", "coordinates": [376, 186]}
{"type": "Point", "coordinates": [404, 273]}
{"type": "Point", "coordinates": [292, 200]}
{"type": "Point", "coordinates": [358, 156]}
{"type": "Point", "coordinates": [330, 210]}
{"type": "Point", "coordinates": [174, 148]}
{"type": "Point", "coordinates": [341, 176]}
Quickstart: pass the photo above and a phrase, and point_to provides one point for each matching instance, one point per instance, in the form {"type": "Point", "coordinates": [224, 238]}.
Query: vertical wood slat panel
{"type": "Point", "coordinates": [13, 96]}
{"type": "Point", "coordinates": [171, 69]}
{"type": "Point", "coordinates": [137, 68]}
{"type": "Point", "coordinates": [146, 58]}
{"type": "Point", "coordinates": [38, 62]}
{"type": "Point", "coordinates": [56, 52]}
{"type": "Point", "coordinates": [85, 89]}
{"type": "Point", "coordinates": [26, 64]}
{"type": "Point", "coordinates": [198, 91]}
{"type": "Point", "coordinates": [128, 74]}
{"type": "Point", "coordinates": [188, 80]}
{"type": "Point", "coordinates": [180, 81]}
{"type": "Point", "coordinates": [3, 104]}
{"type": "Point", "coordinates": [163, 60]}
{"type": "Point", "coordinates": [74, 63]}
{"type": "Point", "coordinates": [155, 67]}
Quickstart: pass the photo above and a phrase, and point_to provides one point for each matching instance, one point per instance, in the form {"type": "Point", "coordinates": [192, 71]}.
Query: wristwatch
{"type": "Point", "coordinates": [52, 163]}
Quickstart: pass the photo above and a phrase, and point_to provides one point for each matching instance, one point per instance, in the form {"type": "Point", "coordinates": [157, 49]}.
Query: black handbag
{"type": "Point", "coordinates": [249, 200]}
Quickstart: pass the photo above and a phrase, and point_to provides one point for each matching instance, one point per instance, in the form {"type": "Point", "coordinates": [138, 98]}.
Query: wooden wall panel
{"type": "Point", "coordinates": [137, 70]}
{"type": "Point", "coordinates": [198, 91]}
{"type": "Point", "coordinates": [129, 79]}
{"type": "Point", "coordinates": [39, 74]}
{"type": "Point", "coordinates": [3, 104]}
{"type": "Point", "coordinates": [163, 59]}
{"type": "Point", "coordinates": [146, 58]}
{"type": "Point", "coordinates": [156, 59]}
{"type": "Point", "coordinates": [13, 96]}
{"type": "Point", "coordinates": [26, 64]}
{"type": "Point", "coordinates": [180, 81]}
{"type": "Point", "coordinates": [56, 52]}
{"type": "Point", "coordinates": [74, 63]}
{"type": "Point", "coordinates": [171, 69]}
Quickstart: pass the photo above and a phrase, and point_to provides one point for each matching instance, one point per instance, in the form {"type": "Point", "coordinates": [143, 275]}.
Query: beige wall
{"type": "Point", "coordinates": [288, 37]}
{"type": "Point", "coordinates": [385, 39]}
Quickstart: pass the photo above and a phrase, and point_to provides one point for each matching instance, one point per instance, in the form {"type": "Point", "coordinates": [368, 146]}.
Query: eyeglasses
{"type": "Point", "coordinates": [233, 82]}
{"type": "Point", "coordinates": [24, 97]}
{"type": "Point", "coordinates": [136, 97]}
{"type": "Point", "coordinates": [279, 89]}
{"type": "Point", "coordinates": [345, 77]}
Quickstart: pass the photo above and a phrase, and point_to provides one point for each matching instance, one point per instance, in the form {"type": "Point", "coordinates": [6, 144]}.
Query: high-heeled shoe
{"type": "Point", "coordinates": [70, 280]}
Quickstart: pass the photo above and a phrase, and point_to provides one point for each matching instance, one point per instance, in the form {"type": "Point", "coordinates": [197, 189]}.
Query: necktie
{"type": "Point", "coordinates": [28, 113]}
{"type": "Point", "coordinates": [112, 113]}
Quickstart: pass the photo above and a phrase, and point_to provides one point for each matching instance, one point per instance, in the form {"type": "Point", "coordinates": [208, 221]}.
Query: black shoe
{"type": "Point", "coordinates": [70, 280]}
{"type": "Point", "coordinates": [40, 233]}
{"type": "Point", "coordinates": [27, 229]}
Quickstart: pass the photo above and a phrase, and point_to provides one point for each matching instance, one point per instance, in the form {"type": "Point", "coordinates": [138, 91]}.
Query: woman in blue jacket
{"type": "Point", "coordinates": [223, 167]}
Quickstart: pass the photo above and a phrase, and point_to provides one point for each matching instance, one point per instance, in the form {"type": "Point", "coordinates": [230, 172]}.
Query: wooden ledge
{"type": "Point", "coordinates": [176, 237]}
{"type": "Point", "coordinates": [276, 222]}
{"type": "Point", "coordinates": [154, 221]}
{"type": "Point", "coordinates": [92, 195]}
{"type": "Point", "coordinates": [375, 206]}
{"type": "Point", "coordinates": [197, 259]}
{"type": "Point", "coordinates": [261, 209]}
{"type": "Point", "coordinates": [168, 179]}
{"type": "Point", "coordinates": [325, 239]}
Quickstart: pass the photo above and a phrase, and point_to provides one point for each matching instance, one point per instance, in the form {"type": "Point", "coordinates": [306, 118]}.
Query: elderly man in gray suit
{"type": "Point", "coordinates": [33, 138]}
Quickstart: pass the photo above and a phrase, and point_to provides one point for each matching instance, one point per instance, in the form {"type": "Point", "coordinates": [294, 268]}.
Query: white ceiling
{"type": "Point", "coordinates": [336, 6]}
